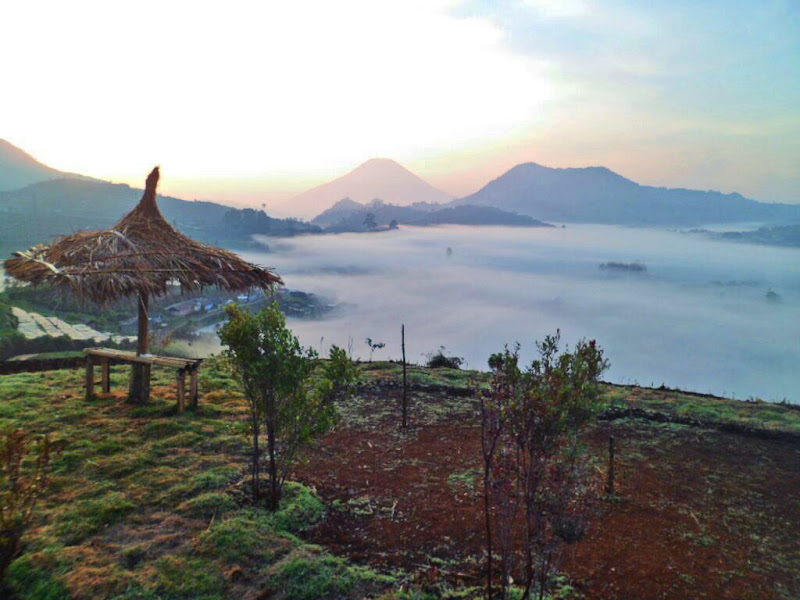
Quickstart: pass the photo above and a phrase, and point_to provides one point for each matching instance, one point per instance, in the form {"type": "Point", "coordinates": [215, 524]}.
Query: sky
{"type": "Point", "coordinates": [254, 102]}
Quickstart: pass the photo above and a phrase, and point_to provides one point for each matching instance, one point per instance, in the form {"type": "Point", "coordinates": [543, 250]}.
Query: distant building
{"type": "Point", "coordinates": [181, 309]}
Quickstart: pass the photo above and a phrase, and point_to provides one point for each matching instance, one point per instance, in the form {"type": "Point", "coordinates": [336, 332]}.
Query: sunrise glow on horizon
{"type": "Point", "coordinates": [254, 102]}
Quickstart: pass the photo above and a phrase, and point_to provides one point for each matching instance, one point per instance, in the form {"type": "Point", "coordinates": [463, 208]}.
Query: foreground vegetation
{"type": "Point", "coordinates": [145, 503]}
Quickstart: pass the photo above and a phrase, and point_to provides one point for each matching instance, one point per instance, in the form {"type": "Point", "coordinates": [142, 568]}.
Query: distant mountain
{"type": "Point", "coordinates": [18, 168]}
{"type": "Point", "coordinates": [41, 211]}
{"type": "Point", "coordinates": [377, 178]}
{"type": "Point", "coordinates": [343, 209]}
{"type": "Point", "coordinates": [598, 195]}
{"type": "Point", "coordinates": [347, 215]}
{"type": "Point", "coordinates": [784, 235]}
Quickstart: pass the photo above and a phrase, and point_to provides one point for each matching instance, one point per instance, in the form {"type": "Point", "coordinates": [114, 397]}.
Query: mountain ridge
{"type": "Point", "coordinates": [570, 194]}
{"type": "Point", "coordinates": [600, 195]}
{"type": "Point", "coordinates": [19, 169]}
{"type": "Point", "coordinates": [349, 216]}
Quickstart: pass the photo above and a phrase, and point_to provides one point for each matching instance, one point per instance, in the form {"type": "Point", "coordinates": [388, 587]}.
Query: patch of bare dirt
{"type": "Point", "coordinates": [699, 513]}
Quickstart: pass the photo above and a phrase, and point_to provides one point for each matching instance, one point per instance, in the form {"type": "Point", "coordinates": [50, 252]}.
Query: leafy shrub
{"type": "Point", "coordinates": [20, 488]}
{"type": "Point", "coordinates": [248, 536]}
{"type": "Point", "coordinates": [339, 375]}
{"type": "Point", "coordinates": [439, 360]}
{"type": "Point", "coordinates": [275, 372]}
{"type": "Point", "coordinates": [536, 479]}
{"type": "Point", "coordinates": [300, 509]}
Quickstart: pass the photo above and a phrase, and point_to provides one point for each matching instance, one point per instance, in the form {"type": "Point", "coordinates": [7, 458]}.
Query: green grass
{"type": "Point", "coordinates": [148, 504]}
{"type": "Point", "coordinates": [208, 505]}
{"type": "Point", "coordinates": [30, 580]}
{"type": "Point", "coordinates": [758, 414]}
{"type": "Point", "coordinates": [309, 574]}
{"type": "Point", "coordinates": [755, 413]}
{"type": "Point", "coordinates": [91, 515]}
{"type": "Point", "coordinates": [462, 481]}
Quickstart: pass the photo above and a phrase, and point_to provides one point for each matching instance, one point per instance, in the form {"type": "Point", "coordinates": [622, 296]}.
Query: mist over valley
{"type": "Point", "coordinates": [697, 318]}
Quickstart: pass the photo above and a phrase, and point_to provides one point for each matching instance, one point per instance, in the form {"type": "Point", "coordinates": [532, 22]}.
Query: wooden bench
{"type": "Point", "coordinates": [105, 356]}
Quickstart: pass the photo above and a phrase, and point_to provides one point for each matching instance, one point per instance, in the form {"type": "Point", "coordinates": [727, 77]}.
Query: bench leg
{"type": "Point", "coordinates": [106, 375]}
{"type": "Point", "coordinates": [181, 390]}
{"type": "Point", "coordinates": [193, 388]}
{"type": "Point", "coordinates": [89, 377]}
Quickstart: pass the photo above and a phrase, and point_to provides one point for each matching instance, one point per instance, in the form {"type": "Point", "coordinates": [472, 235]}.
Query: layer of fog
{"type": "Point", "coordinates": [697, 319]}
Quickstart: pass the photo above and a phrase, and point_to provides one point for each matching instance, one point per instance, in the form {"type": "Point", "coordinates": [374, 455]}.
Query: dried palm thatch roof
{"type": "Point", "coordinates": [140, 255]}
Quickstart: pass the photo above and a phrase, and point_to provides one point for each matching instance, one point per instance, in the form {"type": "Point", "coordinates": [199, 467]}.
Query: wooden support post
{"type": "Point", "coordinates": [610, 484]}
{"type": "Point", "coordinates": [139, 392]}
{"type": "Point", "coordinates": [89, 377]}
{"type": "Point", "coordinates": [106, 375]}
{"type": "Point", "coordinates": [181, 390]}
{"type": "Point", "coordinates": [193, 387]}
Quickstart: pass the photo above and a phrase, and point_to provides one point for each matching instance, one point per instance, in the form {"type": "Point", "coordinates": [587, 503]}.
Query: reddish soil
{"type": "Point", "coordinates": [700, 514]}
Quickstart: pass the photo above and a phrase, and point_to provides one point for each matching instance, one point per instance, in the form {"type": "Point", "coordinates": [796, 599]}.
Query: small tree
{"type": "Point", "coordinates": [373, 346]}
{"type": "Point", "coordinates": [339, 376]}
{"type": "Point", "coordinates": [20, 488]}
{"type": "Point", "coordinates": [369, 221]}
{"type": "Point", "coordinates": [276, 374]}
{"type": "Point", "coordinates": [536, 478]}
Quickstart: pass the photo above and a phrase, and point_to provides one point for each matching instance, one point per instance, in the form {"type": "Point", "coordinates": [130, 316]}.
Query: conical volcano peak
{"type": "Point", "coordinates": [381, 178]}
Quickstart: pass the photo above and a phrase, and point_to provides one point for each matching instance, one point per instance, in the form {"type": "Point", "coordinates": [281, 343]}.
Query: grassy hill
{"type": "Point", "coordinates": [149, 504]}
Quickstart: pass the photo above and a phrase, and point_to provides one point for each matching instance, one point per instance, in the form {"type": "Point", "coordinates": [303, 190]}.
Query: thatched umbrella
{"type": "Point", "coordinates": [140, 256]}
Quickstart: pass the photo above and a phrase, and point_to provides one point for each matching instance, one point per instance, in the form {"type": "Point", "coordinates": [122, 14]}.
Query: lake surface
{"type": "Point", "coordinates": [697, 318]}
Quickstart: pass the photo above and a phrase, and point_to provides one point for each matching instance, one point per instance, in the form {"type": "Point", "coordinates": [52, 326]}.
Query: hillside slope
{"type": "Point", "coordinates": [42, 211]}
{"type": "Point", "coordinates": [18, 168]}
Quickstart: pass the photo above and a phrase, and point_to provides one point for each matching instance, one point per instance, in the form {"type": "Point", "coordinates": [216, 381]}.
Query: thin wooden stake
{"type": "Point", "coordinates": [610, 484]}
{"type": "Point", "coordinates": [405, 378]}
